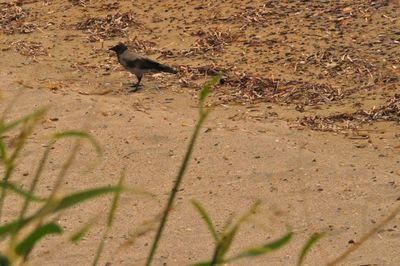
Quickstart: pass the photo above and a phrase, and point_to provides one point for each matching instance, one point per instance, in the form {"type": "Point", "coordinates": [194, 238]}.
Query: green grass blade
{"type": "Point", "coordinates": [178, 179]}
{"type": "Point", "coordinates": [207, 86]}
{"type": "Point", "coordinates": [32, 186]}
{"type": "Point", "coordinates": [141, 230]}
{"type": "Point", "coordinates": [307, 246]}
{"type": "Point", "coordinates": [79, 197]}
{"type": "Point", "coordinates": [34, 116]}
{"type": "Point", "coordinates": [75, 237]}
{"type": "Point", "coordinates": [173, 192]}
{"type": "Point", "coordinates": [3, 151]}
{"type": "Point", "coordinates": [28, 124]}
{"type": "Point", "coordinates": [14, 225]}
{"type": "Point", "coordinates": [224, 245]}
{"type": "Point", "coordinates": [206, 219]}
{"type": "Point", "coordinates": [115, 201]}
{"type": "Point", "coordinates": [9, 186]}
{"type": "Point", "coordinates": [26, 245]}
{"type": "Point", "coordinates": [110, 219]}
{"type": "Point", "coordinates": [229, 224]}
{"type": "Point", "coordinates": [4, 261]}
{"type": "Point", "coordinates": [64, 203]}
{"type": "Point", "coordinates": [251, 211]}
{"type": "Point", "coordinates": [264, 249]}
{"type": "Point", "coordinates": [81, 232]}
{"type": "Point", "coordinates": [227, 240]}
{"type": "Point", "coordinates": [228, 235]}
{"type": "Point", "coordinates": [79, 134]}
{"type": "Point", "coordinates": [57, 136]}
{"type": "Point", "coordinates": [202, 264]}
{"type": "Point", "coordinates": [99, 251]}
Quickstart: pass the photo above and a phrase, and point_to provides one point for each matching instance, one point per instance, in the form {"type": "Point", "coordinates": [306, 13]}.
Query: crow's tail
{"type": "Point", "coordinates": [167, 69]}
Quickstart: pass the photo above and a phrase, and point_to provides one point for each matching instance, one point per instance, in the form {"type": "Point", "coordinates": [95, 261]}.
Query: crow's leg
{"type": "Point", "coordinates": [135, 86]}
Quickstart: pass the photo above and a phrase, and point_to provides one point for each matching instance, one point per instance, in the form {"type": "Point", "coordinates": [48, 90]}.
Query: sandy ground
{"type": "Point", "coordinates": [343, 56]}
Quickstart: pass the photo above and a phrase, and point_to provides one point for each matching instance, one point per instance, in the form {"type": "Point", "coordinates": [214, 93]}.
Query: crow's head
{"type": "Point", "coordinates": [119, 48]}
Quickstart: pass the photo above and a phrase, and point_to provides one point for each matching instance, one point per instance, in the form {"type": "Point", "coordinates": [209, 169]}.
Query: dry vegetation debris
{"type": "Point", "coordinates": [242, 87]}
{"type": "Point", "coordinates": [31, 49]}
{"type": "Point", "coordinates": [79, 2]}
{"type": "Point", "coordinates": [188, 73]}
{"type": "Point", "coordinates": [107, 27]}
{"type": "Point", "coordinates": [12, 19]}
{"type": "Point", "coordinates": [352, 45]}
{"type": "Point", "coordinates": [194, 73]}
{"type": "Point", "coordinates": [251, 16]}
{"type": "Point", "coordinates": [351, 121]}
{"type": "Point", "coordinates": [212, 40]}
{"type": "Point", "coordinates": [110, 6]}
{"type": "Point", "coordinates": [307, 94]}
{"type": "Point", "coordinates": [141, 46]}
{"type": "Point", "coordinates": [346, 62]}
{"type": "Point", "coordinates": [388, 112]}
{"type": "Point", "coordinates": [330, 47]}
{"type": "Point", "coordinates": [101, 7]}
{"type": "Point", "coordinates": [331, 10]}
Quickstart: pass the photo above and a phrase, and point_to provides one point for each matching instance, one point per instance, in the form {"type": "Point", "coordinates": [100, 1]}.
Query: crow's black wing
{"type": "Point", "coordinates": [144, 63]}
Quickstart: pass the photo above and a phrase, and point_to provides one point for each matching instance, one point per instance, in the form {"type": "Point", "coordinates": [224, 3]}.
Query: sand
{"type": "Point", "coordinates": [341, 182]}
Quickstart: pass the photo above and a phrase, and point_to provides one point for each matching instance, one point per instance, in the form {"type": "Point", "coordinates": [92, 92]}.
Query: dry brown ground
{"type": "Point", "coordinates": [285, 62]}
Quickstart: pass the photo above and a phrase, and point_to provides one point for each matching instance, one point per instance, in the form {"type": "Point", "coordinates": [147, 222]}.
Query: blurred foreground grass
{"type": "Point", "coordinates": [20, 234]}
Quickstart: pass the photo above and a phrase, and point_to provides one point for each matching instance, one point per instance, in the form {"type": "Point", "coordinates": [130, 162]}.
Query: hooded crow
{"type": "Point", "coordinates": [137, 64]}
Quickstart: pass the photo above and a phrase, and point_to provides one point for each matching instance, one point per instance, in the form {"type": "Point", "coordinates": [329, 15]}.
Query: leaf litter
{"type": "Point", "coordinates": [325, 67]}
{"type": "Point", "coordinates": [340, 68]}
{"type": "Point", "coordinates": [351, 121]}
{"type": "Point", "coordinates": [106, 28]}
{"type": "Point", "coordinates": [31, 49]}
{"type": "Point", "coordinates": [12, 19]}
{"type": "Point", "coordinates": [211, 40]}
